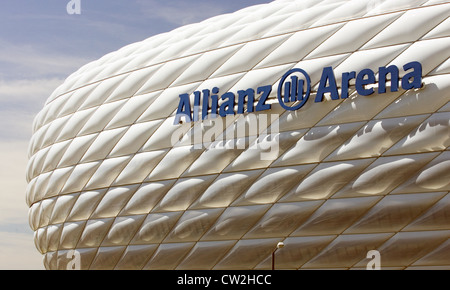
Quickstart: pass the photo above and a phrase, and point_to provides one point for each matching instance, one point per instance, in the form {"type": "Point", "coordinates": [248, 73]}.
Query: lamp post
{"type": "Point", "coordinates": [279, 246]}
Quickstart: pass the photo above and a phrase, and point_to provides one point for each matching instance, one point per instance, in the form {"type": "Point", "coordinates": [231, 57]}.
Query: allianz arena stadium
{"type": "Point", "coordinates": [322, 125]}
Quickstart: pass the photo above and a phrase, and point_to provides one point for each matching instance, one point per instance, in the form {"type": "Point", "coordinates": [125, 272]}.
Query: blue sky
{"type": "Point", "coordinates": [40, 45]}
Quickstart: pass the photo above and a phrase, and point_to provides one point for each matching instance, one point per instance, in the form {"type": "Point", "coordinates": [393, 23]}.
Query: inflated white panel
{"type": "Point", "coordinates": [70, 234]}
{"type": "Point", "coordinates": [318, 142]}
{"type": "Point", "coordinates": [298, 45]}
{"type": "Point", "coordinates": [135, 257]}
{"type": "Point", "coordinates": [85, 205]}
{"type": "Point", "coordinates": [432, 134]}
{"type": "Point", "coordinates": [111, 176]}
{"type": "Point", "coordinates": [236, 183]}
{"type": "Point", "coordinates": [193, 224]}
{"type": "Point", "coordinates": [122, 230]}
{"type": "Point", "coordinates": [113, 201]}
{"type": "Point", "coordinates": [410, 26]}
{"type": "Point", "coordinates": [326, 179]}
{"type": "Point", "coordinates": [375, 137]}
{"type": "Point", "coordinates": [273, 183]}
{"type": "Point", "coordinates": [353, 35]}
{"type": "Point", "coordinates": [434, 176]}
{"type": "Point", "coordinates": [183, 193]}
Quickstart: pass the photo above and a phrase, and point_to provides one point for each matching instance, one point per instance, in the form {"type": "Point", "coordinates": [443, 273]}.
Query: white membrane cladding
{"type": "Point", "coordinates": [109, 186]}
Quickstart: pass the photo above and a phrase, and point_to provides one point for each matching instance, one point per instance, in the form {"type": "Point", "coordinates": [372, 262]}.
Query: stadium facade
{"type": "Point", "coordinates": [324, 125]}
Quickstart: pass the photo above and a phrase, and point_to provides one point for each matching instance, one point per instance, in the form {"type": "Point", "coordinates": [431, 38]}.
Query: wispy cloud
{"type": "Point", "coordinates": [18, 252]}
{"type": "Point", "coordinates": [13, 182]}
{"type": "Point", "coordinates": [28, 77]}
{"type": "Point", "coordinates": [182, 12]}
{"type": "Point", "coordinates": [26, 61]}
{"type": "Point", "coordinates": [23, 93]}
{"type": "Point", "coordinates": [20, 101]}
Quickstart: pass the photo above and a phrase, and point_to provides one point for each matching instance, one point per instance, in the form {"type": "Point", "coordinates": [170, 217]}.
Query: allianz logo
{"type": "Point", "coordinates": [294, 90]}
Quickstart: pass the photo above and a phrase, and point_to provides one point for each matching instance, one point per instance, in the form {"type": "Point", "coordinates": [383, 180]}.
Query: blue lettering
{"type": "Point", "coordinates": [265, 92]}
{"type": "Point", "coordinates": [184, 110]}
{"type": "Point", "coordinates": [227, 107]}
{"type": "Point", "coordinates": [346, 77]}
{"type": "Point", "coordinates": [362, 81]}
{"type": "Point", "coordinates": [250, 94]}
{"type": "Point", "coordinates": [327, 77]}
{"type": "Point", "coordinates": [207, 102]}
{"type": "Point", "coordinates": [416, 75]}
{"type": "Point", "coordinates": [195, 115]}
{"type": "Point", "coordinates": [383, 71]}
